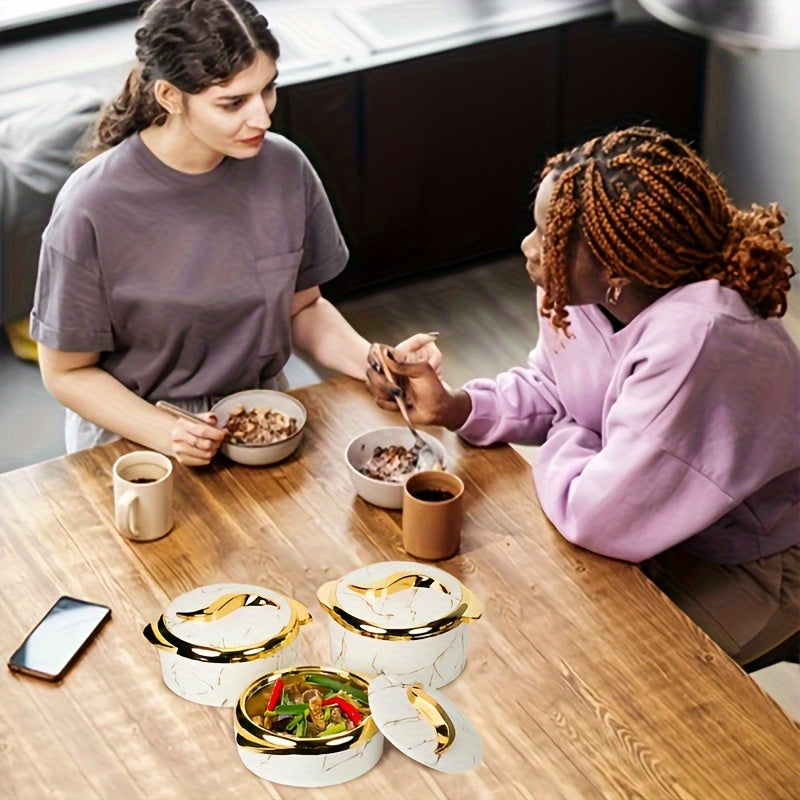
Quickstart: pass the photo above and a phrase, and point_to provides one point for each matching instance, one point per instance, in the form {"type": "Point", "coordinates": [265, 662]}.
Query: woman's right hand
{"type": "Point", "coordinates": [195, 444]}
{"type": "Point", "coordinates": [428, 399]}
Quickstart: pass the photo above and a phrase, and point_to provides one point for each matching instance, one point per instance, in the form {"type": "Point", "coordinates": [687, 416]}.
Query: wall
{"type": "Point", "coordinates": [751, 125]}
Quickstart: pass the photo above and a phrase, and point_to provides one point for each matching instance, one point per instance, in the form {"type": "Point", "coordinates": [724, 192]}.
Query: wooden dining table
{"type": "Point", "coordinates": [582, 678]}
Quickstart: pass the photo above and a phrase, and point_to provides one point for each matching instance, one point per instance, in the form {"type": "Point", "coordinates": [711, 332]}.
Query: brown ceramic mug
{"type": "Point", "coordinates": [432, 514]}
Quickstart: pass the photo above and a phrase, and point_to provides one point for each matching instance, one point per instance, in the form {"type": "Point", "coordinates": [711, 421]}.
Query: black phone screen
{"type": "Point", "coordinates": [57, 640]}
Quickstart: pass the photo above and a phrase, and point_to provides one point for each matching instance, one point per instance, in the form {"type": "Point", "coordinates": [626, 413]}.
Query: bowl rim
{"type": "Point", "coordinates": [366, 728]}
{"type": "Point", "coordinates": [376, 481]}
{"type": "Point", "coordinates": [298, 432]}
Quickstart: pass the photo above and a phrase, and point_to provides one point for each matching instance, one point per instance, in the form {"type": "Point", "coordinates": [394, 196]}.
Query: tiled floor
{"type": "Point", "coordinates": [485, 313]}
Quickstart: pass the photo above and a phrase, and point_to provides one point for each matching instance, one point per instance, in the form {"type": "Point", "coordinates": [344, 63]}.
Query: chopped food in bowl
{"type": "Point", "coordinates": [309, 706]}
{"type": "Point", "coordinates": [393, 463]}
{"type": "Point", "coordinates": [261, 425]}
{"type": "Point", "coordinates": [307, 726]}
{"type": "Point", "coordinates": [380, 460]}
{"type": "Point", "coordinates": [264, 426]}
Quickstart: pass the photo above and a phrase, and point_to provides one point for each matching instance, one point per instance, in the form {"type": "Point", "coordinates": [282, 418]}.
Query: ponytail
{"type": "Point", "coordinates": [754, 259]}
{"type": "Point", "coordinates": [650, 209]}
{"type": "Point", "coordinates": [133, 109]}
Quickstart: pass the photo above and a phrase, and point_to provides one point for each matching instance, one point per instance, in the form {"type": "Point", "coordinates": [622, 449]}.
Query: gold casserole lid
{"type": "Point", "coordinates": [424, 724]}
{"type": "Point", "coordinates": [399, 600]}
{"type": "Point", "coordinates": [227, 622]}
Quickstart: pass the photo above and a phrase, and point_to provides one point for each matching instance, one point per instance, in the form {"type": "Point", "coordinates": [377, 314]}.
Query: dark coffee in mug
{"type": "Point", "coordinates": [432, 514]}
{"type": "Point", "coordinates": [143, 480]}
{"type": "Point", "coordinates": [433, 495]}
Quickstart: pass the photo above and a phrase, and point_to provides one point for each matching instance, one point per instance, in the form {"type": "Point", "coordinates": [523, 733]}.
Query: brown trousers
{"type": "Point", "coordinates": [747, 609]}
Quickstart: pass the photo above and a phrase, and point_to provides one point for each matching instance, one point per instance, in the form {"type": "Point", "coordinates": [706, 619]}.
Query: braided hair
{"type": "Point", "coordinates": [193, 44]}
{"type": "Point", "coordinates": [650, 209]}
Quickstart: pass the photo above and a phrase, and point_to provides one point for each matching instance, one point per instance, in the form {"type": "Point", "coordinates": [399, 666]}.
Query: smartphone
{"type": "Point", "coordinates": [52, 646]}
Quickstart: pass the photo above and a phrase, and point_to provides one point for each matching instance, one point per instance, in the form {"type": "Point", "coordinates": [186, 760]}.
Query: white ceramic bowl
{"type": "Point", "coordinates": [260, 454]}
{"type": "Point", "coordinates": [383, 493]}
{"type": "Point", "coordinates": [293, 761]}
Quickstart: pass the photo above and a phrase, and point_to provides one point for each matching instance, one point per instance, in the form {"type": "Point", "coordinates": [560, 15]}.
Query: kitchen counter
{"type": "Point", "coordinates": [317, 40]}
{"type": "Point", "coordinates": [428, 121]}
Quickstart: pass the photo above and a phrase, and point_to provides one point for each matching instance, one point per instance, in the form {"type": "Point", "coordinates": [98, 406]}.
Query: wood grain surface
{"type": "Point", "coordinates": [583, 680]}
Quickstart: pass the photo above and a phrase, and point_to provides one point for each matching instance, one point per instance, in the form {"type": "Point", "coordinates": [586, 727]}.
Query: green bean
{"type": "Point", "coordinates": [337, 727]}
{"type": "Point", "coordinates": [290, 708]}
{"type": "Point", "coordinates": [337, 685]}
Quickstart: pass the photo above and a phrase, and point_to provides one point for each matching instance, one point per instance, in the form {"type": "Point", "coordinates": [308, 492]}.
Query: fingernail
{"type": "Point", "coordinates": [433, 334]}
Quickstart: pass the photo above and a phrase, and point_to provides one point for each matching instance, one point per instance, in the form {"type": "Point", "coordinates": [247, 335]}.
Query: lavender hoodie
{"type": "Point", "coordinates": [683, 427]}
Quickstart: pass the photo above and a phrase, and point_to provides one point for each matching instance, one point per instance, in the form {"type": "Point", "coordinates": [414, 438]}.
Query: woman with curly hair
{"type": "Point", "coordinates": [183, 260]}
{"type": "Point", "coordinates": [663, 391]}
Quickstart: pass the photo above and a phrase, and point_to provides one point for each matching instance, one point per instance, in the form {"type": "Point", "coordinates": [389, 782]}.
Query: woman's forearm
{"type": "Point", "coordinates": [322, 332]}
{"type": "Point", "coordinates": [102, 399]}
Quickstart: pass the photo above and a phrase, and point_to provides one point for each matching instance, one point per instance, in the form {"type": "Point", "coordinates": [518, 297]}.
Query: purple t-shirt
{"type": "Point", "coordinates": [183, 282]}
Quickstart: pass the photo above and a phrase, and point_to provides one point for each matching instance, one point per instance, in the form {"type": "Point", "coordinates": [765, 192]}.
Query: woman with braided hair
{"type": "Point", "coordinates": [663, 392]}
{"type": "Point", "coordinates": [183, 261]}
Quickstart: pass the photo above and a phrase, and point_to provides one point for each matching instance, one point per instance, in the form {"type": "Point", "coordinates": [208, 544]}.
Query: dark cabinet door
{"type": "Point", "coordinates": [430, 162]}
{"type": "Point", "coordinates": [323, 118]}
{"type": "Point", "coordinates": [616, 75]}
{"type": "Point", "coordinates": [451, 145]}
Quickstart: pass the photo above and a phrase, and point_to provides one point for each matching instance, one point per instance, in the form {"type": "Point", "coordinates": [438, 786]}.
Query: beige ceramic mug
{"type": "Point", "coordinates": [143, 495]}
{"type": "Point", "coordinates": [432, 514]}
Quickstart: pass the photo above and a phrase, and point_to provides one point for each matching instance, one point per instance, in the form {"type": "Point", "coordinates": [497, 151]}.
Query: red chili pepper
{"type": "Point", "coordinates": [275, 697]}
{"type": "Point", "coordinates": [352, 713]}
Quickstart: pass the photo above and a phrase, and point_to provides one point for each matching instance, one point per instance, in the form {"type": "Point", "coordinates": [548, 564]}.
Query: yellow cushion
{"type": "Point", "coordinates": [20, 339]}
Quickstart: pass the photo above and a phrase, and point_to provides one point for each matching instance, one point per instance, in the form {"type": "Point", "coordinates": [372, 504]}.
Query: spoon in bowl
{"type": "Point", "coordinates": [426, 456]}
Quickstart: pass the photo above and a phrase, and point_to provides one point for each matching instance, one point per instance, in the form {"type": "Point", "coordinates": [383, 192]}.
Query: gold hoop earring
{"type": "Point", "coordinates": [613, 293]}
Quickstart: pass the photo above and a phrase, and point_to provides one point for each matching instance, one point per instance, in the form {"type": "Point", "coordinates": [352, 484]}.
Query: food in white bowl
{"type": "Point", "coordinates": [381, 451]}
{"type": "Point", "coordinates": [420, 722]}
{"type": "Point", "coordinates": [281, 744]}
{"type": "Point", "coordinates": [267, 426]}
{"type": "Point", "coordinates": [393, 463]}
{"type": "Point", "coordinates": [261, 425]}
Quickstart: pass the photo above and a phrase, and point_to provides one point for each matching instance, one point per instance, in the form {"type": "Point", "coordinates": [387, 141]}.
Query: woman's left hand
{"type": "Point", "coordinates": [419, 348]}
{"type": "Point", "coordinates": [195, 444]}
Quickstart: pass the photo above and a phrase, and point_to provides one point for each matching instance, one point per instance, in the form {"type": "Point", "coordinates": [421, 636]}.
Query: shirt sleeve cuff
{"type": "Point", "coordinates": [483, 416]}
{"type": "Point", "coordinates": [323, 271]}
{"type": "Point", "coordinates": [70, 341]}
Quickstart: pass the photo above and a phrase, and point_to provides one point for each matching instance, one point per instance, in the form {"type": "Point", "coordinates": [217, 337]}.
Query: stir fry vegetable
{"type": "Point", "coordinates": [337, 685]}
{"type": "Point", "coordinates": [277, 690]}
{"type": "Point", "coordinates": [312, 706]}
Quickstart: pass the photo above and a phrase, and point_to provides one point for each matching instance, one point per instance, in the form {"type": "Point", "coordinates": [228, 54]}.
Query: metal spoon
{"type": "Point", "coordinates": [426, 455]}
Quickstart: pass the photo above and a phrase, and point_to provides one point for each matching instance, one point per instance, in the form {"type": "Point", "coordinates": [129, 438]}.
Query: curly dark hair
{"type": "Point", "coordinates": [649, 208]}
{"type": "Point", "coordinates": [193, 44]}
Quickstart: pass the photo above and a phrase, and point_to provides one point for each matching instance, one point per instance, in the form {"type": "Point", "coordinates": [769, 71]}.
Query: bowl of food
{"type": "Point", "coordinates": [307, 726]}
{"type": "Point", "coordinates": [321, 726]}
{"type": "Point", "coordinates": [380, 460]}
{"type": "Point", "coordinates": [264, 426]}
